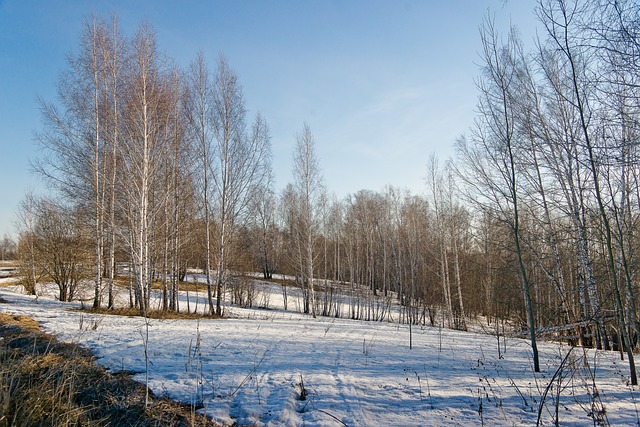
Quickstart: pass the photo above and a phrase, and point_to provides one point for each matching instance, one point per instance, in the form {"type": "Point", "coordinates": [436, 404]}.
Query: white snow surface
{"type": "Point", "coordinates": [248, 369]}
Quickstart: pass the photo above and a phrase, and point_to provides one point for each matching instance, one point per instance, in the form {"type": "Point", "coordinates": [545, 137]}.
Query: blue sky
{"type": "Point", "coordinates": [382, 84]}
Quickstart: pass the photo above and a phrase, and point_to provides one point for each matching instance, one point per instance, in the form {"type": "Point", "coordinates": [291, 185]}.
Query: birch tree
{"type": "Point", "coordinates": [560, 19]}
{"type": "Point", "coordinates": [74, 140]}
{"type": "Point", "coordinates": [491, 162]}
{"type": "Point", "coordinates": [199, 110]}
{"type": "Point", "coordinates": [240, 160]}
{"type": "Point", "coordinates": [435, 182]}
{"type": "Point", "coordinates": [309, 186]}
{"type": "Point", "coordinates": [141, 153]}
{"type": "Point", "coordinates": [263, 208]}
{"type": "Point", "coordinates": [115, 58]}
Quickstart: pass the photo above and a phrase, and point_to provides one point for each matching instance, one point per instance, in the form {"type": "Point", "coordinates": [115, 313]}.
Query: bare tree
{"type": "Point", "coordinates": [559, 18]}
{"type": "Point", "coordinates": [176, 178]}
{"type": "Point", "coordinates": [199, 112]}
{"type": "Point", "coordinates": [240, 161]}
{"type": "Point", "coordinates": [263, 206]}
{"type": "Point", "coordinates": [26, 224]}
{"type": "Point", "coordinates": [435, 181]}
{"type": "Point", "coordinates": [490, 163]}
{"type": "Point", "coordinates": [458, 227]}
{"type": "Point", "coordinates": [74, 139]}
{"type": "Point", "coordinates": [114, 57]}
{"type": "Point", "coordinates": [309, 186]}
{"type": "Point", "coordinates": [141, 155]}
{"type": "Point", "coordinates": [289, 218]}
{"type": "Point", "coordinates": [60, 250]}
{"type": "Point", "coordinates": [613, 26]}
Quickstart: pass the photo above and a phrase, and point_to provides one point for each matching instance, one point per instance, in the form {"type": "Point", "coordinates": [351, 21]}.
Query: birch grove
{"type": "Point", "coordinates": [531, 226]}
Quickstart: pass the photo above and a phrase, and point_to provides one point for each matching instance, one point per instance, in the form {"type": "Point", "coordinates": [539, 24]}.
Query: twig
{"type": "Point", "coordinates": [333, 416]}
{"type": "Point", "coordinates": [519, 392]}
{"type": "Point", "coordinates": [253, 371]}
{"type": "Point", "coordinates": [546, 390]}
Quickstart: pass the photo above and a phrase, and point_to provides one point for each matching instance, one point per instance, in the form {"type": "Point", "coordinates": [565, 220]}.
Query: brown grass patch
{"type": "Point", "coordinates": [13, 263]}
{"type": "Point", "coordinates": [157, 285]}
{"type": "Point", "coordinates": [24, 322]}
{"type": "Point", "coordinates": [47, 383]}
{"type": "Point", "coordinates": [152, 314]}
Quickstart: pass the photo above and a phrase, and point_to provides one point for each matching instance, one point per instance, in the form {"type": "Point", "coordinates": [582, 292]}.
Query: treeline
{"type": "Point", "coordinates": [533, 222]}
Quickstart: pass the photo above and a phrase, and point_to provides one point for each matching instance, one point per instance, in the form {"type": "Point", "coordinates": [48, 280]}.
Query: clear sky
{"type": "Point", "coordinates": [382, 84]}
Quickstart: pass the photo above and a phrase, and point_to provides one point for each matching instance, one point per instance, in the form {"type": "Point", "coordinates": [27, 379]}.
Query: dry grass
{"type": "Point", "coordinates": [152, 314]}
{"type": "Point", "coordinates": [10, 263]}
{"type": "Point", "coordinates": [47, 383]}
{"type": "Point", "coordinates": [24, 322]}
{"type": "Point", "coordinates": [8, 270]}
{"type": "Point", "coordinates": [157, 285]}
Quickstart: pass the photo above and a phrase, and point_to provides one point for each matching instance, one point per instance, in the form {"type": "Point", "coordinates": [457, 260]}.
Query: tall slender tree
{"type": "Point", "coordinates": [492, 159]}
{"type": "Point", "coordinates": [241, 156]}
{"type": "Point", "coordinates": [199, 110]}
{"type": "Point", "coordinates": [309, 186]}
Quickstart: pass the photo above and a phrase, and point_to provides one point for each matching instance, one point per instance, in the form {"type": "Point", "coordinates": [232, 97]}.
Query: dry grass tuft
{"type": "Point", "coordinates": [47, 383]}
{"type": "Point", "coordinates": [24, 322]}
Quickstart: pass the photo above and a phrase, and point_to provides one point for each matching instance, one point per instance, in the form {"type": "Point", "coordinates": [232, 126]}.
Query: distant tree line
{"type": "Point", "coordinates": [8, 248]}
{"type": "Point", "coordinates": [534, 221]}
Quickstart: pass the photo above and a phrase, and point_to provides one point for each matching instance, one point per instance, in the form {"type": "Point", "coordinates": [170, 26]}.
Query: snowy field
{"type": "Point", "coordinates": [249, 368]}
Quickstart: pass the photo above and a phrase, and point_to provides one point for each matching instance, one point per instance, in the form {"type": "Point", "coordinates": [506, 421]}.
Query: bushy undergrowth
{"type": "Point", "coordinates": [47, 383]}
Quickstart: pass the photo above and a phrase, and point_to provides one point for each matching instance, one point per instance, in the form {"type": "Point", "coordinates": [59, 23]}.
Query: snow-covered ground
{"type": "Point", "coordinates": [249, 368]}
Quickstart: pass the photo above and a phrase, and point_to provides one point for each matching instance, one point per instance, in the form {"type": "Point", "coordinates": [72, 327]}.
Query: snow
{"type": "Point", "coordinates": [248, 369]}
